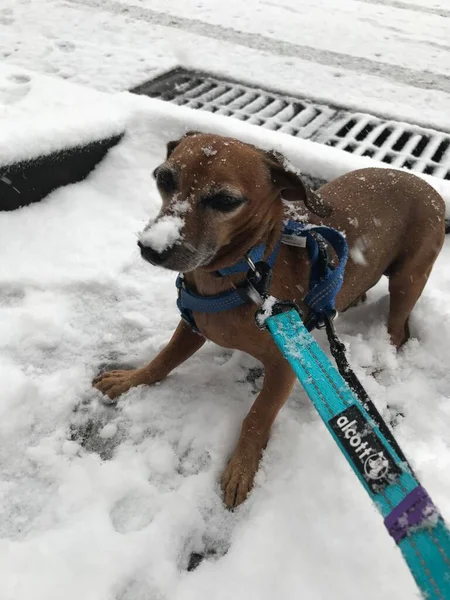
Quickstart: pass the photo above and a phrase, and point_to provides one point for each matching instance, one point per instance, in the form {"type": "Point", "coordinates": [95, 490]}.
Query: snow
{"type": "Point", "coordinates": [266, 310]}
{"type": "Point", "coordinates": [385, 58]}
{"type": "Point", "coordinates": [356, 251]}
{"type": "Point", "coordinates": [209, 151]}
{"type": "Point", "coordinates": [108, 503]}
{"type": "Point", "coordinates": [40, 115]}
{"type": "Point", "coordinates": [163, 233]}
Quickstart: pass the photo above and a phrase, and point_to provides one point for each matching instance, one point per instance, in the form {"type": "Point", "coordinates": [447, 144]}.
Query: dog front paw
{"type": "Point", "coordinates": [238, 477]}
{"type": "Point", "coordinates": [115, 383]}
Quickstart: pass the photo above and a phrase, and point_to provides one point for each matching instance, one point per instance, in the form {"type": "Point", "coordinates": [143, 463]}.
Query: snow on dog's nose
{"type": "Point", "coordinates": [157, 240]}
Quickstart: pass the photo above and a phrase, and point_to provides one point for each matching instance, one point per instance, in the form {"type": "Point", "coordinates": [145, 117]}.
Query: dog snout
{"type": "Point", "coordinates": [153, 256]}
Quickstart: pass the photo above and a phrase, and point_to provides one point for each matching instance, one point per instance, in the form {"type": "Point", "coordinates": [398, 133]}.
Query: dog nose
{"type": "Point", "coordinates": [153, 256]}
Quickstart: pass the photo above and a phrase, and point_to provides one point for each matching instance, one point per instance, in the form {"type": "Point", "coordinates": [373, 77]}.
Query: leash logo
{"type": "Point", "coordinates": [365, 449]}
{"type": "Point", "coordinates": [376, 466]}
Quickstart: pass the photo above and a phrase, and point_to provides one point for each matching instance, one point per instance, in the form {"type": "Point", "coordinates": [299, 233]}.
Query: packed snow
{"type": "Point", "coordinates": [48, 115]}
{"type": "Point", "coordinates": [109, 503]}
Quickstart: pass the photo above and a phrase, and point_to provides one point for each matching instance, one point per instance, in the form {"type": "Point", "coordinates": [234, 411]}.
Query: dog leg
{"type": "Point", "coordinates": [183, 344]}
{"type": "Point", "coordinates": [405, 288]}
{"type": "Point", "coordinates": [237, 480]}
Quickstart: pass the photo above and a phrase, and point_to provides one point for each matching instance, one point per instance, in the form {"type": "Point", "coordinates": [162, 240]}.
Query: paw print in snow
{"type": "Point", "coordinates": [6, 16]}
{"type": "Point", "coordinates": [65, 46]}
{"type": "Point", "coordinates": [13, 88]}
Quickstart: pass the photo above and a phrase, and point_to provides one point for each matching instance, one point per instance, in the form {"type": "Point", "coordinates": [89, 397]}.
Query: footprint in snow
{"type": "Point", "coordinates": [14, 88]}
{"type": "Point", "coordinates": [6, 16]}
{"type": "Point", "coordinates": [97, 428]}
{"type": "Point", "coordinates": [133, 512]}
{"type": "Point", "coordinates": [193, 461]}
{"type": "Point", "coordinates": [140, 588]}
{"type": "Point", "coordinates": [19, 78]}
{"type": "Point", "coordinates": [65, 46]}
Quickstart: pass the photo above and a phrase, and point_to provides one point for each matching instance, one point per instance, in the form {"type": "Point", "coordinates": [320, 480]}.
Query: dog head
{"type": "Point", "coordinates": [220, 197]}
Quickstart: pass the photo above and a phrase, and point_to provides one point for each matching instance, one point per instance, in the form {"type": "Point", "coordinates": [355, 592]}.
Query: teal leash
{"type": "Point", "coordinates": [409, 513]}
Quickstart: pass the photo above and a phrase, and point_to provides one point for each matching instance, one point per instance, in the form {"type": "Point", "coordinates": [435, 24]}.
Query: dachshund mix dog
{"type": "Point", "coordinates": [227, 198]}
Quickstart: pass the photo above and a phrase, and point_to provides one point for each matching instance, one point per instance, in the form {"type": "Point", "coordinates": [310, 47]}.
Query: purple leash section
{"type": "Point", "coordinates": [413, 512]}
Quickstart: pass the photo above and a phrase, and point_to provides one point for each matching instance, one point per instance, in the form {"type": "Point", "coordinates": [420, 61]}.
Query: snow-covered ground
{"type": "Point", "coordinates": [108, 503]}
{"type": "Point", "coordinates": [383, 56]}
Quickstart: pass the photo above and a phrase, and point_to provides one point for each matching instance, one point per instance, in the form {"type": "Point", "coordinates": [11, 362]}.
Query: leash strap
{"type": "Point", "coordinates": [339, 354]}
{"type": "Point", "coordinates": [409, 514]}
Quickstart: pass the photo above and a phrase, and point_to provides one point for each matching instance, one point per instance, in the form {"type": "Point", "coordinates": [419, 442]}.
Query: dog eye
{"type": "Point", "coordinates": [166, 180]}
{"type": "Point", "coordinates": [223, 202]}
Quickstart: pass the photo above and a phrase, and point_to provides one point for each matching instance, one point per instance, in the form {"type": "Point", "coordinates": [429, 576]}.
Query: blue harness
{"type": "Point", "coordinates": [324, 283]}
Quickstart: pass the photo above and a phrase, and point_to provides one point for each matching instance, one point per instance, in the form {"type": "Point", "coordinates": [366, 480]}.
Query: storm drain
{"type": "Point", "coordinates": [392, 142]}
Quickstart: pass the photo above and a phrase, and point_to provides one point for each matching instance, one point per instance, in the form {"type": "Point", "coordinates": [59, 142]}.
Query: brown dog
{"type": "Point", "coordinates": [229, 196]}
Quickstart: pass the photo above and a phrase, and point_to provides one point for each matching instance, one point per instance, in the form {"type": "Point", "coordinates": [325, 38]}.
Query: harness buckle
{"type": "Point", "coordinates": [180, 284]}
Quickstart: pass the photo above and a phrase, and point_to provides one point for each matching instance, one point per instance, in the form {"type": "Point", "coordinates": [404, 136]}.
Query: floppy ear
{"type": "Point", "coordinates": [293, 187]}
{"type": "Point", "coordinates": [172, 145]}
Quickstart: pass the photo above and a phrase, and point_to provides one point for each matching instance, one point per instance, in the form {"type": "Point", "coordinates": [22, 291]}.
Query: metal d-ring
{"type": "Point", "coordinates": [252, 265]}
{"type": "Point", "coordinates": [331, 317]}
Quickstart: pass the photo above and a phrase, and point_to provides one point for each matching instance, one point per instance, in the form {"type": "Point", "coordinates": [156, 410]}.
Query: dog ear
{"type": "Point", "coordinates": [172, 145]}
{"type": "Point", "coordinates": [293, 187]}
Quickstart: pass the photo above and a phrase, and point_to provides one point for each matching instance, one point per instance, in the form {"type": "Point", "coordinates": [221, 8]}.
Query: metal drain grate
{"type": "Point", "coordinates": [392, 142]}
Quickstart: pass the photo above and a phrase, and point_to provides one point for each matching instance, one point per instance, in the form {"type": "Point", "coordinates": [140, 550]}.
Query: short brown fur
{"type": "Point", "coordinates": [394, 224]}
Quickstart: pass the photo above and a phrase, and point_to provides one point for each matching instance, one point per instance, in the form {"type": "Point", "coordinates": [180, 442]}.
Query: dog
{"type": "Point", "coordinates": [226, 197]}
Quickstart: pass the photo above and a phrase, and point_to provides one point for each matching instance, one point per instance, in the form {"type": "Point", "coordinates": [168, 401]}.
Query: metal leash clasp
{"type": "Point", "coordinates": [256, 286]}
{"type": "Point", "coordinates": [330, 317]}
{"type": "Point", "coordinates": [251, 264]}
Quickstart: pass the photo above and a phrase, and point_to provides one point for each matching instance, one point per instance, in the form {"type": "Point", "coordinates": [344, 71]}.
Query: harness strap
{"type": "Point", "coordinates": [189, 302]}
{"type": "Point", "coordinates": [325, 285]}
{"type": "Point", "coordinates": [325, 280]}
{"type": "Point", "coordinates": [255, 255]}
{"type": "Point", "coordinates": [208, 304]}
